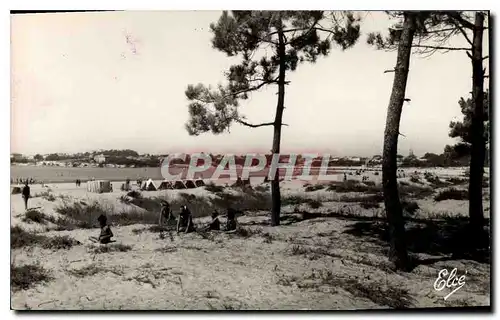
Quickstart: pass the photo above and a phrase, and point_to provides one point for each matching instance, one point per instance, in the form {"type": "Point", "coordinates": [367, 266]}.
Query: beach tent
{"type": "Point", "coordinates": [179, 185]}
{"type": "Point", "coordinates": [99, 186]}
{"type": "Point", "coordinates": [149, 185]}
{"type": "Point", "coordinates": [199, 183]}
{"type": "Point", "coordinates": [165, 185]}
{"type": "Point", "coordinates": [189, 184]}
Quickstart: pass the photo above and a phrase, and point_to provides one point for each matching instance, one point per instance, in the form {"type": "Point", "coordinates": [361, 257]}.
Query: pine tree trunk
{"type": "Point", "coordinates": [478, 145]}
{"type": "Point", "coordinates": [398, 253]}
{"type": "Point", "coordinates": [275, 183]}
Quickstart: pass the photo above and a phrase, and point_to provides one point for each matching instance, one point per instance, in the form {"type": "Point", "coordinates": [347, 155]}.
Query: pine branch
{"type": "Point", "coordinates": [458, 17]}
{"type": "Point", "coordinates": [441, 30]}
{"type": "Point", "coordinates": [299, 29]}
{"type": "Point", "coordinates": [251, 89]}
{"type": "Point", "coordinates": [256, 125]}
{"type": "Point", "coordinates": [462, 31]}
{"type": "Point", "coordinates": [439, 47]}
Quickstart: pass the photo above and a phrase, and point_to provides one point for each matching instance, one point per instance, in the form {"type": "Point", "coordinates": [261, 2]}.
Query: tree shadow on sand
{"type": "Point", "coordinates": [450, 239]}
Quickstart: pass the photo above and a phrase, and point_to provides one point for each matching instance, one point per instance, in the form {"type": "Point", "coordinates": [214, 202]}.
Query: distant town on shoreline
{"type": "Point", "coordinates": [132, 159]}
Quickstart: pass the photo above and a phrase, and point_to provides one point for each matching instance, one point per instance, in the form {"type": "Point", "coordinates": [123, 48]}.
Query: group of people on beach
{"type": "Point", "coordinates": [22, 181]}
{"type": "Point", "coordinates": [184, 222]}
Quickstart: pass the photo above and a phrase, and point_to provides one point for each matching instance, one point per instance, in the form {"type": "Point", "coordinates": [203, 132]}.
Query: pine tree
{"type": "Point", "coordinates": [433, 31]}
{"type": "Point", "coordinates": [294, 37]}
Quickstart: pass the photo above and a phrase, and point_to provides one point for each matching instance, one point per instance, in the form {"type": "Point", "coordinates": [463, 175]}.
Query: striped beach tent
{"type": "Point", "coordinates": [99, 186]}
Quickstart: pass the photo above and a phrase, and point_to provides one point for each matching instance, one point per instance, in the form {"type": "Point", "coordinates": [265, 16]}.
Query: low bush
{"type": "Point", "coordinates": [27, 276]}
{"type": "Point", "coordinates": [452, 194]}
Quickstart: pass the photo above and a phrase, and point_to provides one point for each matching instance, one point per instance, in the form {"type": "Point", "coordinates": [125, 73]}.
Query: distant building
{"type": "Point", "coordinates": [100, 158]}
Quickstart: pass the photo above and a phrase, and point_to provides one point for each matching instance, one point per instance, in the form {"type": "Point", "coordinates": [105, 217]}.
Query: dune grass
{"type": "Point", "coordinates": [452, 194]}
{"type": "Point", "coordinates": [21, 238]}
{"type": "Point", "coordinates": [27, 276]}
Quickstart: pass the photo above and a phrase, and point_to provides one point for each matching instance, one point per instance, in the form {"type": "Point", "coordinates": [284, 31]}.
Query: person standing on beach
{"type": "Point", "coordinates": [26, 195]}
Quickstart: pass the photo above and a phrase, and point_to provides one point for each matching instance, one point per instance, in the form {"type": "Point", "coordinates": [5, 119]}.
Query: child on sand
{"type": "Point", "coordinates": [185, 221]}
{"type": "Point", "coordinates": [215, 223]}
{"type": "Point", "coordinates": [106, 233]}
{"type": "Point", "coordinates": [231, 219]}
{"type": "Point", "coordinates": [165, 213]}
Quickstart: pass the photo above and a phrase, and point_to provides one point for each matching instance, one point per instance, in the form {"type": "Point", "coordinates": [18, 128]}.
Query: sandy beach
{"type": "Point", "coordinates": [323, 262]}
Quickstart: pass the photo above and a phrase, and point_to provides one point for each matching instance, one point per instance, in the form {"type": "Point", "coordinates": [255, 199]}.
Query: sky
{"type": "Point", "coordinates": [116, 80]}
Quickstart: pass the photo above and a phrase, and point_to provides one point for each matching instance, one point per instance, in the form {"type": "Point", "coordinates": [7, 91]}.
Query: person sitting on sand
{"type": "Point", "coordinates": [165, 213]}
{"type": "Point", "coordinates": [26, 195]}
{"type": "Point", "coordinates": [215, 223]}
{"type": "Point", "coordinates": [106, 233]}
{"type": "Point", "coordinates": [185, 221]}
{"type": "Point", "coordinates": [231, 219]}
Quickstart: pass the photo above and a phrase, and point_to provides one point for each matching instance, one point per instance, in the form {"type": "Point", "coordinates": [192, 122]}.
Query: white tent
{"type": "Point", "coordinates": [165, 185]}
{"type": "Point", "coordinates": [99, 186]}
{"type": "Point", "coordinates": [149, 185]}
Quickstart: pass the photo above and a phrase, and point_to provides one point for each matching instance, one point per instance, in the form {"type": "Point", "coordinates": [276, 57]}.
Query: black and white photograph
{"type": "Point", "coordinates": [232, 160]}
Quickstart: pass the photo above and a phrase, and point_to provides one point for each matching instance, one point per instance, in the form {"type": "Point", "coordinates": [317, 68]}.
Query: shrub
{"type": "Point", "coordinates": [363, 198]}
{"type": "Point", "coordinates": [113, 247]}
{"type": "Point", "coordinates": [417, 192]}
{"type": "Point", "coordinates": [212, 187]}
{"type": "Point", "coordinates": [50, 197]}
{"type": "Point", "coordinates": [455, 180]}
{"type": "Point", "coordinates": [126, 218]}
{"type": "Point", "coordinates": [93, 269]}
{"type": "Point", "coordinates": [262, 188]}
{"type": "Point", "coordinates": [246, 232]}
{"type": "Point", "coordinates": [352, 186]}
{"type": "Point", "coordinates": [296, 200]}
{"type": "Point", "coordinates": [20, 238]}
{"type": "Point", "coordinates": [369, 205]}
{"type": "Point", "coordinates": [452, 194]}
{"type": "Point", "coordinates": [410, 206]}
{"type": "Point", "coordinates": [33, 215]}
{"type": "Point", "coordinates": [134, 194]}
{"type": "Point", "coordinates": [434, 179]}
{"type": "Point", "coordinates": [149, 204]}
{"type": "Point", "coordinates": [249, 200]}
{"type": "Point", "coordinates": [27, 276]}
{"type": "Point", "coordinates": [187, 196]}
{"type": "Point", "coordinates": [59, 242]}
{"type": "Point", "coordinates": [268, 238]}
{"type": "Point", "coordinates": [84, 215]}
{"type": "Point", "coordinates": [298, 250]}
{"type": "Point", "coordinates": [315, 204]}
{"type": "Point", "coordinates": [314, 187]}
